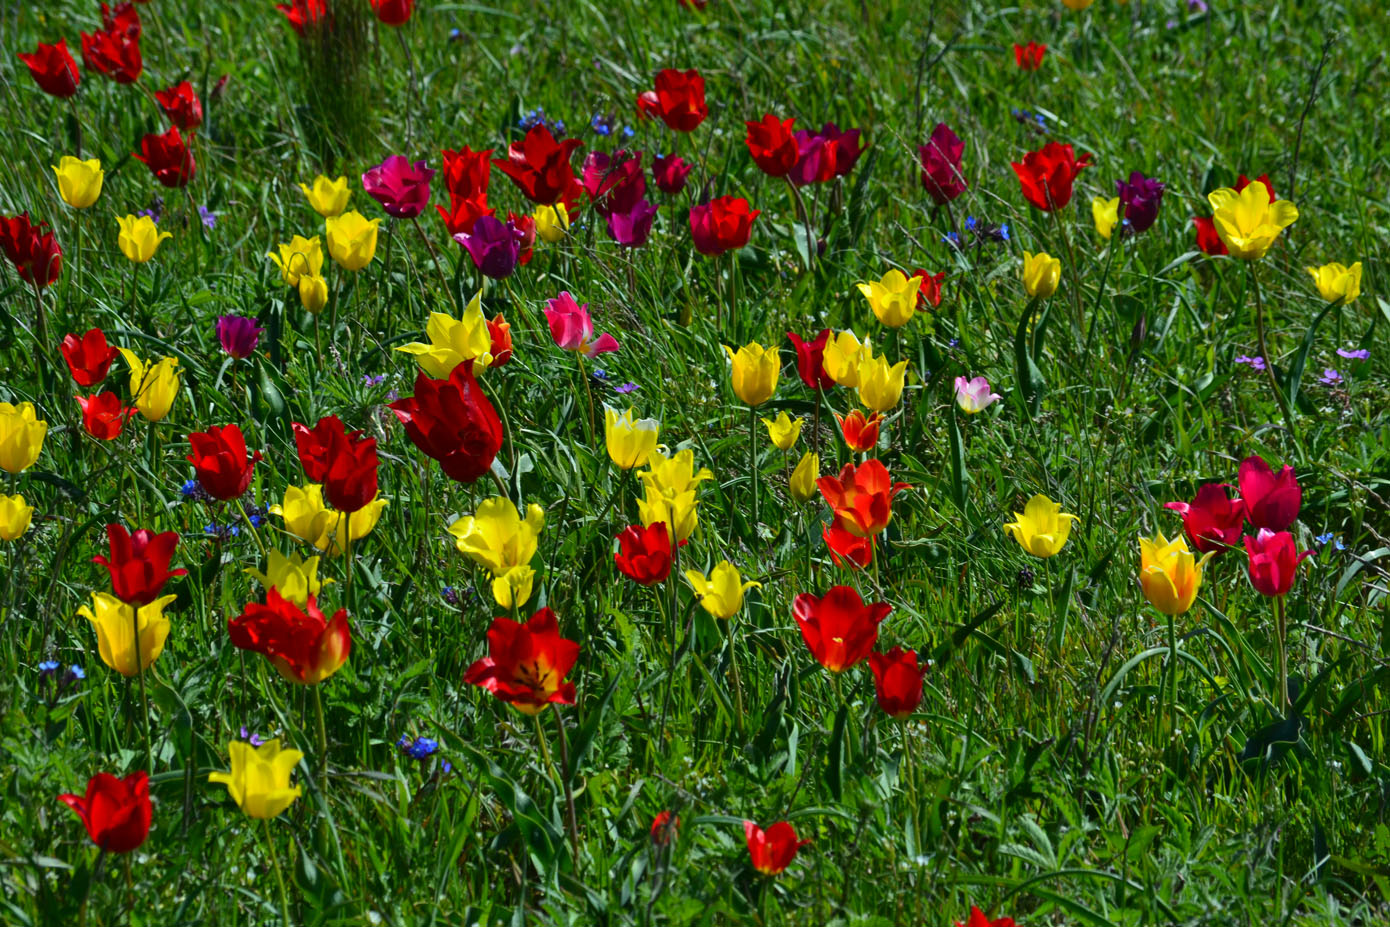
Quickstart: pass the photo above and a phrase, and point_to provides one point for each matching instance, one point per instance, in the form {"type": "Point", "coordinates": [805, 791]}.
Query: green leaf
{"type": "Point", "coordinates": [1300, 357]}
{"type": "Point", "coordinates": [1026, 372]}
{"type": "Point", "coordinates": [835, 756]}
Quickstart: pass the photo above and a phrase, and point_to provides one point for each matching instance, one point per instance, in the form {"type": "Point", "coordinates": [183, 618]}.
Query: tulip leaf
{"type": "Point", "coordinates": [1026, 372]}
{"type": "Point", "coordinates": [584, 738]}
{"type": "Point", "coordinates": [1300, 357]}
{"type": "Point", "coordinates": [835, 757]}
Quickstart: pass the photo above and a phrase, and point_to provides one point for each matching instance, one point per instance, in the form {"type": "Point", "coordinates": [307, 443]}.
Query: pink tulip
{"type": "Point", "coordinates": [402, 188]}
{"type": "Point", "coordinates": [1274, 560]}
{"type": "Point", "coordinates": [973, 395]}
{"type": "Point", "coordinates": [572, 328]}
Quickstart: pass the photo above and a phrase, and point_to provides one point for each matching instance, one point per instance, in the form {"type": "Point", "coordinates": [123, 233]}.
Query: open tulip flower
{"type": "Point", "coordinates": [847, 549]}
{"type": "Point", "coordinates": [540, 167]}
{"type": "Point", "coordinates": [893, 298]}
{"type": "Point", "coordinates": [114, 53]}
{"type": "Point", "coordinates": [1047, 175]}
{"type": "Point", "coordinates": [259, 781]}
{"type": "Point", "coordinates": [104, 415]}
{"type": "Point", "coordinates": [296, 578]}
{"type": "Point", "coordinates": [327, 529]}
{"type": "Point", "coordinates": [116, 812]}
{"type": "Point", "coordinates": [860, 432]}
{"type": "Point", "coordinates": [297, 258]}
{"type": "Point", "coordinates": [32, 249]}
{"type": "Point", "coordinates": [402, 188]}
{"type": "Point", "coordinates": [771, 851]}
{"type": "Point", "coordinates": [1029, 57]}
{"type": "Point", "coordinates": [139, 237]}
{"type": "Point", "coordinates": [527, 663]}
{"type": "Point", "coordinates": [168, 157]}
{"type": "Point", "coordinates": [977, 917]}
{"type": "Point", "coordinates": [1337, 283]}
{"type": "Point", "coordinates": [129, 637]}
{"type": "Point", "coordinates": [1251, 221]}
{"type": "Point", "coordinates": [720, 593]}
{"type": "Point", "coordinates": [1106, 215]}
{"type": "Point", "coordinates": [772, 144]}
{"type": "Point", "coordinates": [181, 105]}
{"type": "Point", "coordinates": [327, 197]}
{"type": "Point", "coordinates": [1169, 573]}
{"type": "Point", "coordinates": [783, 430]}
{"type": "Point", "coordinates": [498, 539]}
{"type": "Point", "coordinates": [573, 330]}
{"type": "Point", "coordinates": [897, 681]}
{"type": "Point", "coordinates": [861, 497]}
{"type": "Point", "coordinates": [303, 645]}
{"type": "Point", "coordinates": [453, 341]}
{"type": "Point", "coordinates": [722, 224]}
{"type": "Point", "coordinates": [839, 628]}
{"type": "Point", "coordinates": [1043, 528]}
{"type": "Point", "coordinates": [974, 396]}
{"type": "Point", "coordinates": [630, 442]}
{"type": "Point", "coordinates": [1271, 500]}
{"type": "Point", "coordinates": [881, 383]}
{"type": "Point", "coordinates": [452, 422]}
{"type": "Point", "coordinates": [52, 68]}
{"type": "Point", "coordinates": [1212, 521]}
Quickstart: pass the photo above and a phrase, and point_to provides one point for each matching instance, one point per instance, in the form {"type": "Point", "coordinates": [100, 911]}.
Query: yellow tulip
{"type": "Point", "coordinates": [453, 341]}
{"type": "Point", "coordinates": [513, 588]}
{"type": "Point", "coordinates": [299, 257]}
{"type": "Point", "coordinates": [630, 441]}
{"type": "Point", "coordinates": [155, 386]}
{"type": "Point", "coordinates": [552, 222]}
{"type": "Point", "coordinates": [881, 384]}
{"type": "Point", "coordinates": [670, 476]}
{"type": "Point", "coordinates": [79, 182]}
{"type": "Point", "coordinates": [139, 237]}
{"type": "Point", "coordinates": [21, 436]}
{"type": "Point", "coordinates": [843, 355]}
{"type": "Point", "coordinates": [117, 624]}
{"type": "Point", "coordinates": [803, 481]}
{"type": "Point", "coordinates": [679, 511]}
{"type": "Point", "coordinates": [15, 515]}
{"type": "Point", "coordinates": [1043, 527]}
{"type": "Point", "coordinates": [307, 518]}
{"type": "Point", "coordinates": [755, 372]}
{"type": "Point", "coordinates": [1106, 214]}
{"type": "Point", "coordinates": [351, 239]}
{"type": "Point", "coordinates": [260, 778]}
{"type": "Point", "coordinates": [893, 298]}
{"type": "Point", "coordinates": [294, 576]}
{"type": "Point", "coordinates": [1169, 573]}
{"type": "Point", "coordinates": [496, 537]}
{"type": "Point", "coordinates": [1338, 283]}
{"type": "Point", "coordinates": [1247, 222]}
{"type": "Point", "coordinates": [327, 197]}
{"type": "Point", "coordinates": [784, 431]}
{"type": "Point", "coordinates": [721, 593]}
{"type": "Point", "coordinates": [1041, 274]}
{"type": "Point", "coordinates": [313, 293]}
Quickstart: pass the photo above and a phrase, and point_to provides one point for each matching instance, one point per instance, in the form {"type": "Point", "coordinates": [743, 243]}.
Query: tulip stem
{"type": "Point", "coordinates": [255, 536]}
{"type": "Point", "coordinates": [588, 397]}
{"type": "Point", "coordinates": [753, 464]}
{"type": "Point", "coordinates": [1172, 687]}
{"type": "Point", "coordinates": [1279, 396]}
{"type": "Point", "coordinates": [323, 742]}
{"type": "Point", "coordinates": [1282, 630]}
{"type": "Point", "coordinates": [1073, 283]}
{"type": "Point", "coordinates": [569, 792]}
{"type": "Point", "coordinates": [733, 663]}
{"type": "Point", "coordinates": [87, 895]}
{"type": "Point", "coordinates": [144, 699]}
{"type": "Point", "coordinates": [279, 876]}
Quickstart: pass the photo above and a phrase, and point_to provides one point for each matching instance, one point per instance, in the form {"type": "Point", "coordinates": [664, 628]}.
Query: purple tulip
{"type": "Point", "coordinates": [1140, 198]}
{"type": "Point", "coordinates": [493, 245]}
{"type": "Point", "coordinates": [815, 162]}
{"type": "Point", "coordinates": [402, 188]}
{"type": "Point", "coordinates": [239, 334]}
{"type": "Point", "coordinates": [670, 172]}
{"type": "Point", "coordinates": [631, 229]}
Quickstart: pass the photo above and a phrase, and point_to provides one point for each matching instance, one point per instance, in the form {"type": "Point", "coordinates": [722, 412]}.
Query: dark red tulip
{"type": "Point", "coordinates": [104, 415]}
{"type": "Point", "coordinates": [1029, 57]}
{"type": "Point", "coordinates": [453, 422]}
{"type": "Point", "coordinates": [771, 851]}
{"type": "Point", "coordinates": [35, 253]}
{"type": "Point", "coordinates": [114, 54]}
{"type": "Point", "coordinates": [1212, 522]}
{"type": "Point", "coordinates": [89, 357]}
{"type": "Point", "coordinates": [815, 159]}
{"type": "Point", "coordinates": [644, 554]}
{"type": "Point", "coordinates": [139, 563]}
{"type": "Point", "coordinates": [220, 461]}
{"type": "Point", "coordinates": [168, 157]}
{"type": "Point", "coordinates": [678, 100]}
{"type": "Point", "coordinates": [773, 145]}
{"type": "Point", "coordinates": [897, 681]}
{"type": "Point", "coordinates": [301, 13]}
{"type": "Point", "coordinates": [1047, 175]}
{"type": "Point", "coordinates": [940, 160]}
{"type": "Point", "coordinates": [844, 147]}
{"type": "Point", "coordinates": [840, 628]}
{"type": "Point", "coordinates": [810, 360]}
{"type": "Point", "coordinates": [1273, 562]}
{"type": "Point", "coordinates": [116, 812]}
{"type": "Point", "coordinates": [124, 19]}
{"type": "Point", "coordinates": [525, 226]}
{"type": "Point", "coordinates": [670, 173]}
{"type": "Point", "coordinates": [978, 919]}
{"type": "Point", "coordinates": [1271, 500]}
{"type": "Point", "coordinates": [53, 69]}
{"type": "Point", "coordinates": [303, 645]}
{"type": "Point", "coordinates": [527, 663]}
{"type": "Point", "coordinates": [1208, 242]}
{"type": "Point", "coordinates": [722, 224]}
{"type": "Point", "coordinates": [344, 462]}
{"type": "Point", "coordinates": [182, 106]}
{"type": "Point", "coordinates": [393, 12]}
{"type": "Point", "coordinates": [615, 183]}
{"type": "Point", "coordinates": [540, 167]}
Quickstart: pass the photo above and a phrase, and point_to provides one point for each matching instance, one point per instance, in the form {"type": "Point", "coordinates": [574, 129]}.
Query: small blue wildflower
{"type": "Point", "coordinates": [221, 532]}
{"type": "Point", "coordinates": [951, 239]}
{"type": "Point", "coordinates": [154, 216]}
{"type": "Point", "coordinates": [48, 666]}
{"type": "Point", "coordinates": [251, 737]}
{"type": "Point", "coordinates": [451, 595]}
{"type": "Point", "coordinates": [77, 672]}
{"type": "Point", "coordinates": [404, 742]}
{"type": "Point", "coordinates": [1322, 539]}
{"type": "Point", "coordinates": [256, 520]}
{"type": "Point", "coordinates": [423, 747]}
{"type": "Point", "coordinates": [1257, 363]}
{"type": "Point", "coordinates": [599, 374]}
{"type": "Point", "coordinates": [208, 216]}
{"type": "Point", "coordinates": [601, 125]}
{"type": "Point", "coordinates": [970, 223]}
{"type": "Point", "coordinates": [953, 343]}
{"type": "Point", "coordinates": [455, 34]}
{"type": "Point", "coordinates": [1004, 231]}
{"type": "Point", "coordinates": [446, 766]}
{"type": "Point", "coordinates": [1041, 119]}
{"type": "Point", "coordinates": [628, 387]}
{"type": "Point", "coordinates": [628, 132]}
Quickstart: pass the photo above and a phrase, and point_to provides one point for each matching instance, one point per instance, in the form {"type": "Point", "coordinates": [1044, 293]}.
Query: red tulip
{"type": "Point", "coordinates": [104, 416]}
{"type": "Point", "coordinates": [860, 433]}
{"type": "Point", "coordinates": [393, 12]}
{"type": "Point", "coordinates": [678, 100]}
{"type": "Point", "coordinates": [1208, 242]}
{"type": "Point", "coordinates": [301, 13]}
{"type": "Point", "coordinates": [139, 563]}
{"type": "Point", "coordinates": [1029, 57]}
{"type": "Point", "coordinates": [861, 497]}
{"type": "Point", "coordinates": [525, 226]}
{"type": "Point", "coordinates": [1211, 521]}
{"type": "Point", "coordinates": [771, 851]}
{"type": "Point", "coordinates": [1271, 501]}
{"type": "Point", "coordinates": [89, 357]}
{"type": "Point", "coordinates": [345, 463]}
{"type": "Point", "coordinates": [670, 173]}
{"type": "Point", "coordinates": [114, 54]}
{"type": "Point", "coordinates": [123, 20]}
{"type": "Point", "coordinates": [842, 147]}
{"type": "Point", "coordinates": [527, 663]}
{"type": "Point", "coordinates": [168, 157]}
{"type": "Point", "coordinates": [847, 549]}
{"type": "Point", "coordinates": [840, 629]}
{"type": "Point", "coordinates": [940, 160]}
{"type": "Point", "coordinates": [303, 646]}
{"type": "Point", "coordinates": [466, 172]}
{"type": "Point", "coordinates": [453, 422]}
{"type": "Point", "coordinates": [182, 106]}
{"type": "Point", "coordinates": [35, 253]}
{"type": "Point", "coordinates": [644, 554]}
{"type": "Point", "coordinates": [929, 294]}
{"type": "Point", "coordinates": [722, 224]}
{"type": "Point", "coordinates": [1273, 562]}
{"type": "Point", "coordinates": [897, 681]}
{"type": "Point", "coordinates": [463, 212]}
{"type": "Point", "coordinates": [220, 462]}
{"type": "Point", "coordinates": [53, 69]}
{"type": "Point", "coordinates": [540, 167]}
{"type": "Point", "coordinates": [1047, 175]}
{"type": "Point", "coordinates": [501, 334]}
{"type": "Point", "coordinates": [773, 145]}
{"type": "Point", "coordinates": [810, 360]}
{"type": "Point", "coordinates": [664, 827]}
{"type": "Point", "coordinates": [978, 919]}
{"type": "Point", "coordinates": [116, 812]}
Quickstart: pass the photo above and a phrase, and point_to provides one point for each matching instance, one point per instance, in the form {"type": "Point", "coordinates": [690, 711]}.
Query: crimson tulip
{"type": "Point", "coordinates": [114, 53]}
{"type": "Point", "coordinates": [810, 360]}
{"type": "Point", "coordinates": [104, 415]}
{"type": "Point", "coordinates": [168, 157]}
{"type": "Point", "coordinates": [644, 554]}
{"type": "Point", "coordinates": [303, 646]}
{"type": "Point", "coordinates": [35, 253]}
{"type": "Point", "coordinates": [1029, 57]}
{"type": "Point", "coordinates": [1271, 500]}
{"type": "Point", "coordinates": [393, 12]}
{"type": "Point", "coordinates": [181, 105]}
{"type": "Point", "coordinates": [540, 167]}
{"type": "Point", "coordinates": [723, 224]}
{"type": "Point", "coordinates": [463, 212]}
{"type": "Point", "coordinates": [89, 357]}
{"type": "Point", "coordinates": [1273, 562]}
{"type": "Point", "coordinates": [840, 628]}
{"type": "Point", "coordinates": [771, 851]}
{"type": "Point", "coordinates": [220, 462]}
{"type": "Point", "coordinates": [116, 812]}
{"type": "Point", "coordinates": [53, 69]}
{"type": "Point", "coordinates": [527, 663]}
{"type": "Point", "coordinates": [897, 681]}
{"type": "Point", "coordinates": [139, 563]}
{"type": "Point", "coordinates": [678, 99]}
{"type": "Point", "coordinates": [1047, 175]}
{"type": "Point", "coordinates": [670, 173]}
{"type": "Point", "coordinates": [1211, 521]}
{"type": "Point", "coordinates": [773, 145]}
{"type": "Point", "coordinates": [345, 463]}
{"type": "Point", "coordinates": [847, 549]}
{"type": "Point", "coordinates": [466, 172]}
{"type": "Point", "coordinates": [453, 422]}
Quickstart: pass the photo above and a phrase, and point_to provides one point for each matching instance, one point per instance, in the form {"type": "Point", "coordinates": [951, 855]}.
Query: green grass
{"type": "Point", "coordinates": [1045, 777]}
